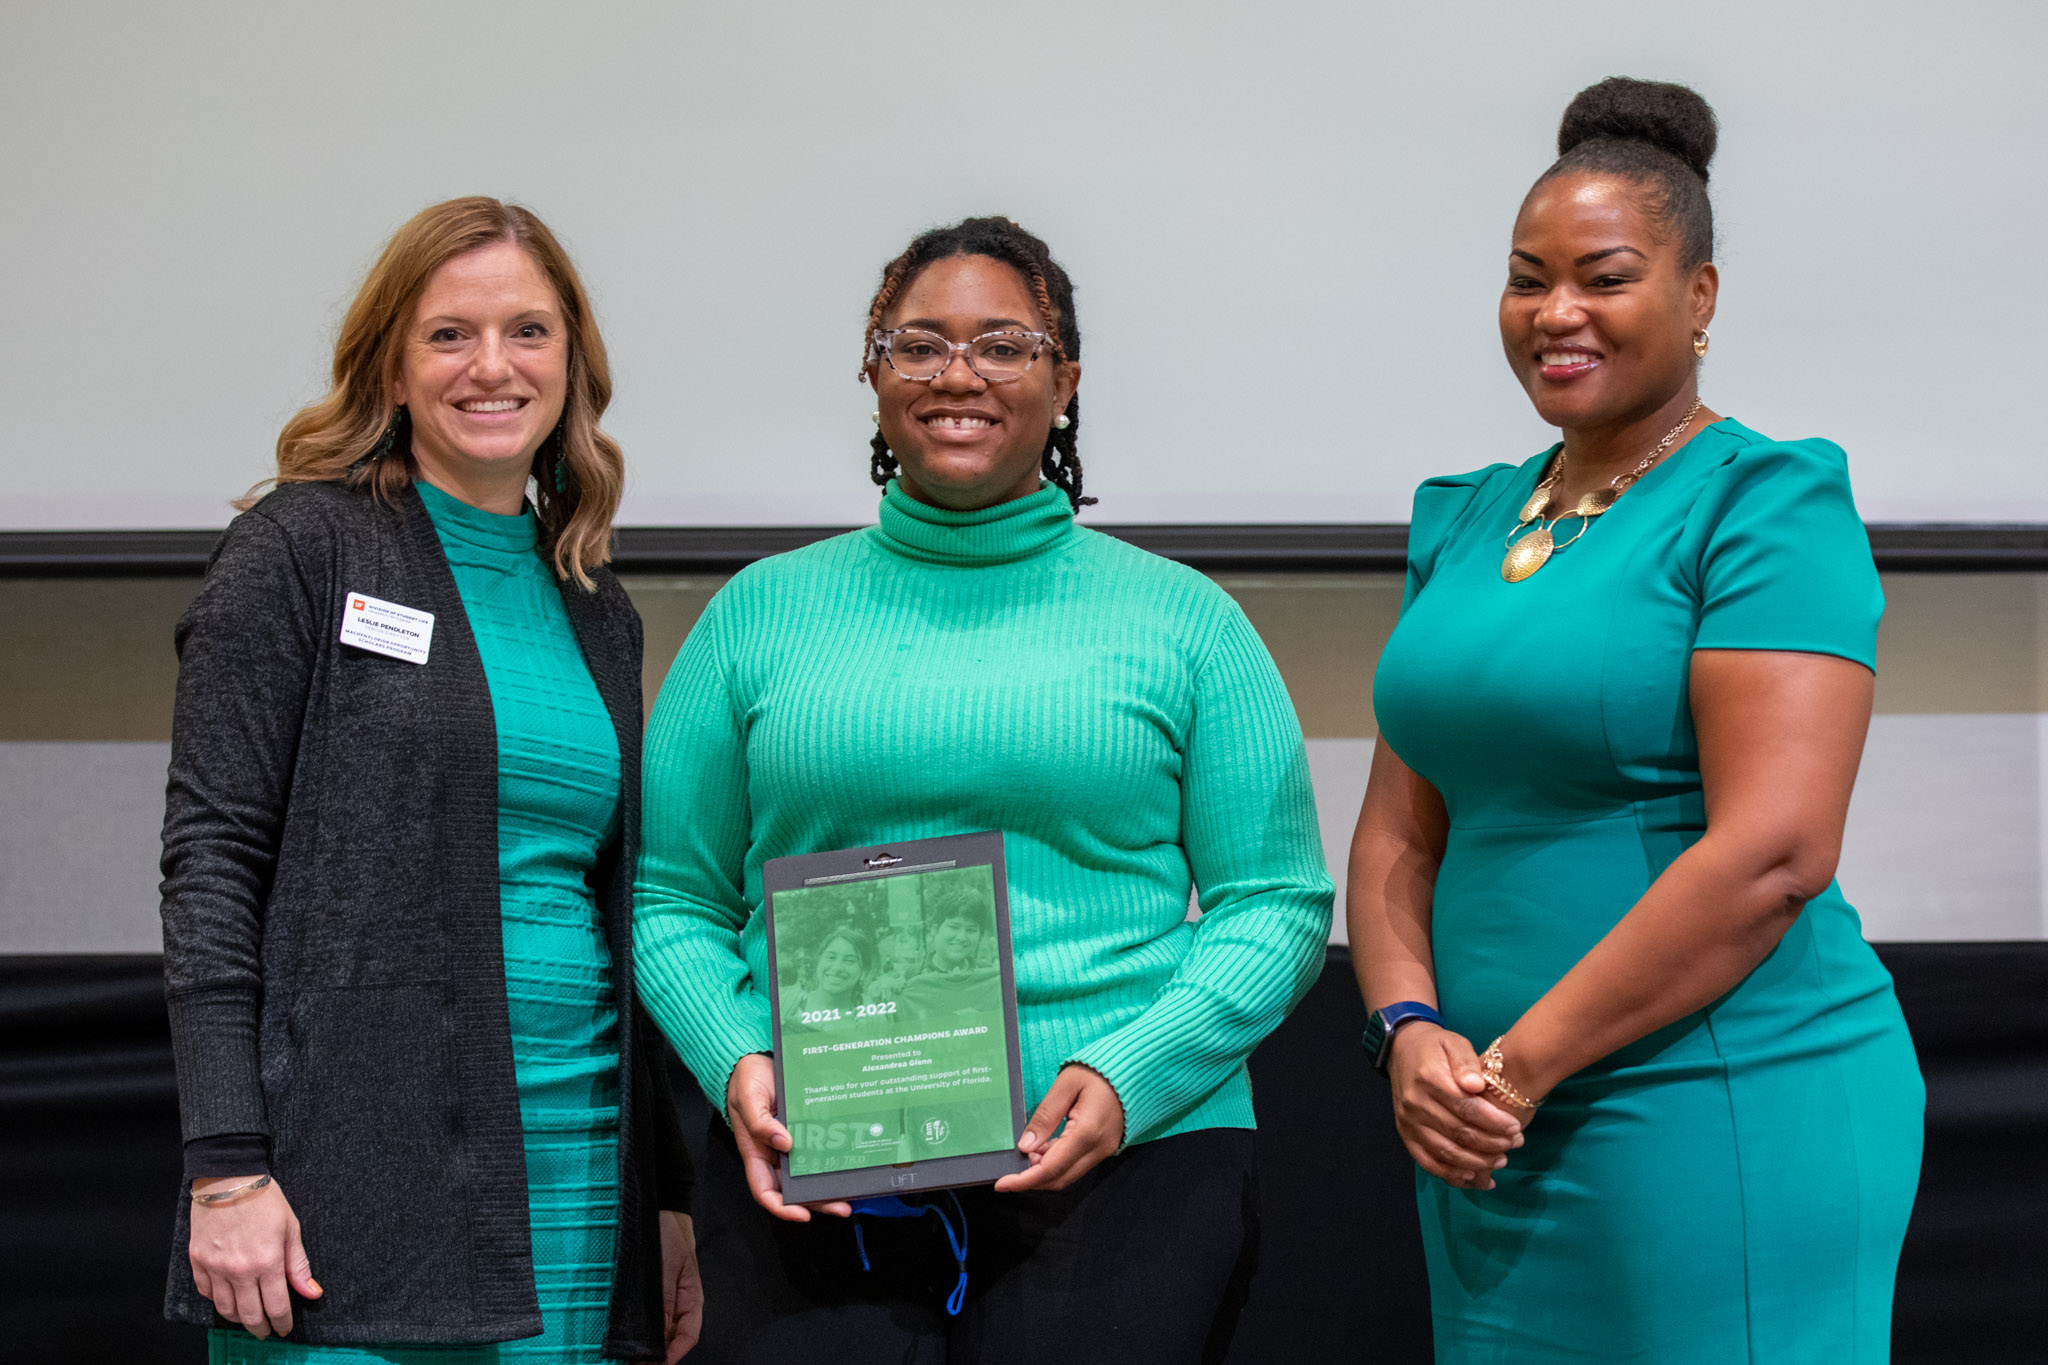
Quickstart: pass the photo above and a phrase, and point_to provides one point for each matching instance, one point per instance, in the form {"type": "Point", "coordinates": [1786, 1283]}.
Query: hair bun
{"type": "Point", "coordinates": [1664, 115]}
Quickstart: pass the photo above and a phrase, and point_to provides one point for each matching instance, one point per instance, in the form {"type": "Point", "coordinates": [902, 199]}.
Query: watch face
{"type": "Point", "coordinates": [1376, 1039]}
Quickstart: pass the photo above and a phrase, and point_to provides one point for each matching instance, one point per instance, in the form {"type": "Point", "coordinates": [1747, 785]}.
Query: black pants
{"type": "Point", "coordinates": [1146, 1259]}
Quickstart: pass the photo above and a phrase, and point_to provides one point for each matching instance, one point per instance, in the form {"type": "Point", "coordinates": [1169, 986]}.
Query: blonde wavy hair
{"type": "Point", "coordinates": [333, 440]}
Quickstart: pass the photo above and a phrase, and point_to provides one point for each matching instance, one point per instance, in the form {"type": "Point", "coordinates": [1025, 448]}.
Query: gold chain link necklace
{"type": "Point", "coordinates": [1531, 552]}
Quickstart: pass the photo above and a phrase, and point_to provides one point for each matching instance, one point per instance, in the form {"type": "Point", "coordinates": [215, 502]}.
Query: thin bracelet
{"type": "Point", "coordinates": [222, 1196]}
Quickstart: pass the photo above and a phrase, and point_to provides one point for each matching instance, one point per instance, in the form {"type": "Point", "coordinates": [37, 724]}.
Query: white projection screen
{"type": "Point", "coordinates": [1287, 224]}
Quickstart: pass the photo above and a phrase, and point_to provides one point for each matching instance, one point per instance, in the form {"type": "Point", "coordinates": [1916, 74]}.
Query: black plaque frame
{"type": "Point", "coordinates": [907, 858]}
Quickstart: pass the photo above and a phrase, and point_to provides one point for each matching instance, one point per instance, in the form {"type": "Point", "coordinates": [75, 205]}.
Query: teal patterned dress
{"type": "Point", "coordinates": [558, 805]}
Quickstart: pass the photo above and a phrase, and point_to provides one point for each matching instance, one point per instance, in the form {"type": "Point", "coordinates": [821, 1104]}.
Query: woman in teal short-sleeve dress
{"type": "Point", "coordinates": [1604, 815]}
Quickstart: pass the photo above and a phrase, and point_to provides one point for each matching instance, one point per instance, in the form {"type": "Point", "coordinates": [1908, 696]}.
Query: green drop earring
{"type": "Point", "coordinates": [397, 435]}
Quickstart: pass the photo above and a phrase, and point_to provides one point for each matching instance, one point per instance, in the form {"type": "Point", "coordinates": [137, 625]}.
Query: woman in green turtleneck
{"type": "Point", "coordinates": [977, 661]}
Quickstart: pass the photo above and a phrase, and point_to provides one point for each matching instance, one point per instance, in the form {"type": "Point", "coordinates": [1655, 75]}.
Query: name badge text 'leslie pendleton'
{"type": "Point", "coordinates": [386, 628]}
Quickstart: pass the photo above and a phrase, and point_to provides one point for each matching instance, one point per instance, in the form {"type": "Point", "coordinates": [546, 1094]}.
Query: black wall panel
{"type": "Point", "coordinates": [89, 1145]}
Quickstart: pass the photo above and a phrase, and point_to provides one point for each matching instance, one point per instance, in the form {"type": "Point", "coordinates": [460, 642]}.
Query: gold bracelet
{"type": "Point", "coordinates": [1491, 1063]}
{"type": "Point", "coordinates": [223, 1196]}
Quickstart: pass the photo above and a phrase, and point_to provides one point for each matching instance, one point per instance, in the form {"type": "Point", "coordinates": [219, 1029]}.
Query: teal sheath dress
{"type": "Point", "coordinates": [1736, 1186]}
{"type": "Point", "coordinates": [558, 806]}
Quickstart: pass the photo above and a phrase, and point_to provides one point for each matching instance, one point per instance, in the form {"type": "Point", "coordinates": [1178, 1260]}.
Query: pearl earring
{"type": "Point", "coordinates": [1062, 422]}
{"type": "Point", "coordinates": [1699, 343]}
{"type": "Point", "coordinates": [876, 417]}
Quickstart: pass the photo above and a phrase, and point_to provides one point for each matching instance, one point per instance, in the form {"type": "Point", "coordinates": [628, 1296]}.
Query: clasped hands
{"type": "Point", "coordinates": [1453, 1127]}
{"type": "Point", "coordinates": [1078, 1123]}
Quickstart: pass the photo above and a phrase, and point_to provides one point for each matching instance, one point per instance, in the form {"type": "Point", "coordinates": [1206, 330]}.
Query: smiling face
{"type": "Point", "coordinates": [838, 968]}
{"type": "Point", "coordinates": [1599, 312]}
{"type": "Point", "coordinates": [962, 442]}
{"type": "Point", "coordinates": [484, 373]}
{"type": "Point", "coordinates": [954, 944]}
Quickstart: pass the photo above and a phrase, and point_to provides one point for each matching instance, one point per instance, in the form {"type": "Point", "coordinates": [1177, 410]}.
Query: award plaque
{"type": "Point", "coordinates": [895, 1003]}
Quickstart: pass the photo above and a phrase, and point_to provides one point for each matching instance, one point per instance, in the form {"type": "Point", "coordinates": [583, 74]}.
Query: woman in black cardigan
{"type": "Point", "coordinates": [398, 851]}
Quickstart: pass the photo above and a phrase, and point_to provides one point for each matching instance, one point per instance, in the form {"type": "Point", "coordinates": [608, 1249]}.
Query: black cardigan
{"type": "Point", "coordinates": [333, 955]}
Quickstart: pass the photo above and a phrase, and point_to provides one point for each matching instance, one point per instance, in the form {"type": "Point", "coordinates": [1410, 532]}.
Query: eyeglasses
{"type": "Point", "coordinates": [998, 357]}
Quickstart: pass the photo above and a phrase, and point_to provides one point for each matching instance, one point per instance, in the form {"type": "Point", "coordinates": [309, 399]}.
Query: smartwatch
{"type": "Point", "coordinates": [1380, 1025]}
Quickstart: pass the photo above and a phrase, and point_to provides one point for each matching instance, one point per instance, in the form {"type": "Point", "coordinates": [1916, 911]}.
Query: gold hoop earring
{"type": "Point", "coordinates": [1699, 343]}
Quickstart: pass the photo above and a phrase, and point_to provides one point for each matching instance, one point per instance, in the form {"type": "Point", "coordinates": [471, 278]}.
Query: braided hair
{"type": "Point", "coordinates": [999, 239]}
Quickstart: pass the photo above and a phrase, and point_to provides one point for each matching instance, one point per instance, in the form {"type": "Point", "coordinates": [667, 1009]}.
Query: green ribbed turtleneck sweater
{"type": "Point", "coordinates": [1111, 712]}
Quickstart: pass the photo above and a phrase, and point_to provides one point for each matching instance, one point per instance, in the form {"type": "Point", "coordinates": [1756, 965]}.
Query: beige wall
{"type": "Point", "coordinates": [91, 659]}
{"type": "Point", "coordinates": [1947, 838]}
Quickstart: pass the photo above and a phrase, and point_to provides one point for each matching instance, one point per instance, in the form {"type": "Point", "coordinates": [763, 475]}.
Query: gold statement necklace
{"type": "Point", "coordinates": [1532, 551]}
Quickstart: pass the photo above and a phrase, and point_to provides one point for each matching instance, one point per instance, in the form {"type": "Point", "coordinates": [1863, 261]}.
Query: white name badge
{"type": "Point", "coordinates": [386, 628]}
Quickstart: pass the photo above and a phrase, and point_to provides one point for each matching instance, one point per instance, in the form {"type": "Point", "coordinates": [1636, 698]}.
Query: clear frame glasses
{"type": "Point", "coordinates": [921, 356]}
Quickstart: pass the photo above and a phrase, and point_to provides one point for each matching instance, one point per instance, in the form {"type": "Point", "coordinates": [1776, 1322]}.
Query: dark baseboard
{"type": "Point", "coordinates": [1279, 548]}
